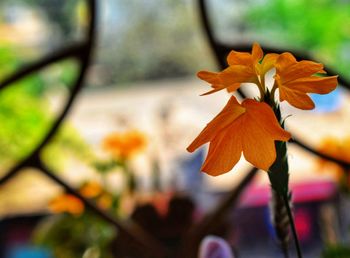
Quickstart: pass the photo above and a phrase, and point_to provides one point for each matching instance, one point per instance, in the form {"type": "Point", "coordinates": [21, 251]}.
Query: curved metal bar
{"type": "Point", "coordinates": [74, 51]}
{"type": "Point", "coordinates": [221, 51]}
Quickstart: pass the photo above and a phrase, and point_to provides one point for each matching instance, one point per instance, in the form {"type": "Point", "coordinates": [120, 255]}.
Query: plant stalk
{"type": "Point", "coordinates": [292, 225]}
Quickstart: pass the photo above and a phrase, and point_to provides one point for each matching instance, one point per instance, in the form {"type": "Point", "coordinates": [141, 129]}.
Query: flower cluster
{"type": "Point", "coordinates": [68, 203]}
{"type": "Point", "coordinates": [251, 127]}
{"type": "Point", "coordinates": [124, 144]}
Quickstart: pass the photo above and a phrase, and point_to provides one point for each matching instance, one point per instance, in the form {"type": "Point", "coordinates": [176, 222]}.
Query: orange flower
{"type": "Point", "coordinates": [124, 145]}
{"type": "Point", "coordinates": [339, 149]}
{"type": "Point", "coordinates": [250, 127]}
{"type": "Point", "coordinates": [295, 79]}
{"type": "Point", "coordinates": [243, 67]}
{"type": "Point", "coordinates": [105, 201]}
{"type": "Point", "coordinates": [91, 189]}
{"type": "Point", "coordinates": [67, 203]}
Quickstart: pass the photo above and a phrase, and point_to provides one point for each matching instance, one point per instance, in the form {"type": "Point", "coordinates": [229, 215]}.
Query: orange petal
{"type": "Point", "coordinates": [239, 58]}
{"type": "Point", "coordinates": [257, 53]}
{"type": "Point", "coordinates": [210, 77]}
{"type": "Point", "coordinates": [267, 63]}
{"type": "Point", "coordinates": [254, 142]}
{"type": "Point", "coordinates": [216, 88]}
{"type": "Point", "coordinates": [260, 131]}
{"type": "Point", "coordinates": [284, 60]}
{"type": "Point", "coordinates": [289, 70]}
{"type": "Point", "coordinates": [314, 84]}
{"type": "Point", "coordinates": [233, 87]}
{"type": "Point", "coordinates": [231, 111]}
{"type": "Point", "coordinates": [238, 74]}
{"type": "Point", "coordinates": [296, 98]}
{"type": "Point", "coordinates": [224, 152]}
{"type": "Point", "coordinates": [251, 128]}
{"type": "Point", "coordinates": [265, 119]}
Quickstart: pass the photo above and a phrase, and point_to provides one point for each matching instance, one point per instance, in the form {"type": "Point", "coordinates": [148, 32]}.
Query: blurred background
{"type": "Point", "coordinates": [124, 141]}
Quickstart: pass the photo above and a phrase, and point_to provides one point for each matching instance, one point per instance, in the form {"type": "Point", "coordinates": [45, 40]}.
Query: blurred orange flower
{"type": "Point", "coordinates": [243, 67]}
{"type": "Point", "coordinates": [124, 145]}
{"type": "Point", "coordinates": [105, 201]}
{"type": "Point", "coordinates": [250, 127]}
{"type": "Point", "coordinates": [67, 203]}
{"type": "Point", "coordinates": [91, 189]}
{"type": "Point", "coordinates": [295, 79]}
{"type": "Point", "coordinates": [337, 148]}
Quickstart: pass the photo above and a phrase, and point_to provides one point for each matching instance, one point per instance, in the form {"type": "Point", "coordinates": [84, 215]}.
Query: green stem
{"type": "Point", "coordinates": [292, 225]}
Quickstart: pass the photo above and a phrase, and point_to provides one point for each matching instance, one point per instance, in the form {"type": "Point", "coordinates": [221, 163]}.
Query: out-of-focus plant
{"type": "Point", "coordinates": [336, 251]}
{"type": "Point", "coordinates": [25, 112]}
{"type": "Point", "coordinates": [121, 148]}
{"type": "Point", "coordinates": [74, 231]}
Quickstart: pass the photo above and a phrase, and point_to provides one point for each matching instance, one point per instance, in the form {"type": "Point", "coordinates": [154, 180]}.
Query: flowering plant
{"type": "Point", "coordinates": [84, 233]}
{"type": "Point", "coordinates": [255, 127]}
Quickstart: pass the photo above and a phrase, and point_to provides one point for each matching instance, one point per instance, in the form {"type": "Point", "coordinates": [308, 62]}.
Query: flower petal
{"type": "Point", "coordinates": [290, 71]}
{"type": "Point", "coordinates": [233, 87]}
{"type": "Point", "coordinates": [254, 141]}
{"type": "Point", "coordinates": [238, 74]}
{"type": "Point", "coordinates": [296, 79]}
{"type": "Point", "coordinates": [261, 130]}
{"type": "Point", "coordinates": [239, 58]}
{"type": "Point", "coordinates": [315, 84]}
{"type": "Point", "coordinates": [210, 77]}
{"type": "Point", "coordinates": [296, 98]}
{"type": "Point", "coordinates": [267, 63]}
{"type": "Point", "coordinates": [224, 152]}
{"type": "Point", "coordinates": [265, 119]}
{"type": "Point", "coordinates": [257, 53]}
{"type": "Point", "coordinates": [231, 111]}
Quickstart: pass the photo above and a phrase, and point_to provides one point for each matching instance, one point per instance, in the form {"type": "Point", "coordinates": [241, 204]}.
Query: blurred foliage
{"type": "Point", "coordinates": [25, 112]}
{"type": "Point", "coordinates": [70, 236]}
{"type": "Point", "coordinates": [336, 251]}
{"type": "Point", "coordinates": [319, 26]}
{"type": "Point", "coordinates": [67, 143]}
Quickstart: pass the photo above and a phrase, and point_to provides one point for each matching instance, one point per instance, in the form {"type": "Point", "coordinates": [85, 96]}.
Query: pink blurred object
{"type": "Point", "coordinates": [256, 196]}
{"type": "Point", "coordinates": [214, 247]}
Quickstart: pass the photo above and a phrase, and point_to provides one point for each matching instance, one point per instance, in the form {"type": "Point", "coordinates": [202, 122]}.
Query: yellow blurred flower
{"type": "Point", "coordinates": [124, 144]}
{"type": "Point", "coordinates": [91, 189]}
{"type": "Point", "coordinates": [67, 203]}
{"type": "Point", "coordinates": [105, 201]}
